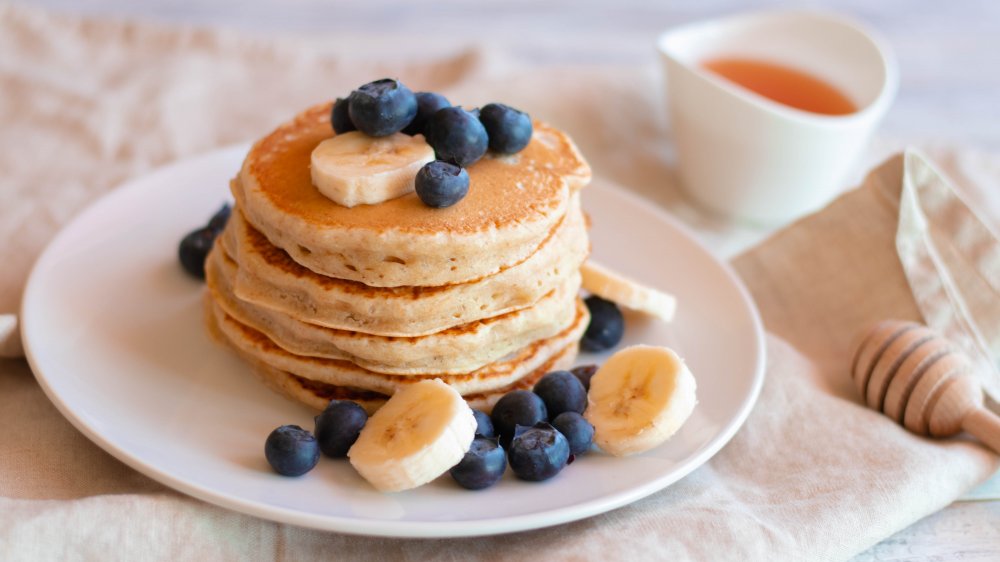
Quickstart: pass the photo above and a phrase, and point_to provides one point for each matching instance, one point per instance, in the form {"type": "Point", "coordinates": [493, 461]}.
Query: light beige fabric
{"type": "Point", "coordinates": [10, 336]}
{"type": "Point", "coordinates": [812, 475]}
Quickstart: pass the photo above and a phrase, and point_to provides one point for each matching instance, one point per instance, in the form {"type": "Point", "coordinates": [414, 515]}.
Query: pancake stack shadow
{"type": "Point", "coordinates": [328, 302]}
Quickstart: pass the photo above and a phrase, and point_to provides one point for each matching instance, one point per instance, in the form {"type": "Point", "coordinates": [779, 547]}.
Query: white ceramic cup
{"type": "Point", "coordinates": [752, 158]}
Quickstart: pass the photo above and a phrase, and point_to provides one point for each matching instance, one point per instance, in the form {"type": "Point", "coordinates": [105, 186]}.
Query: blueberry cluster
{"type": "Point", "coordinates": [194, 247]}
{"type": "Point", "coordinates": [459, 137]}
{"type": "Point", "coordinates": [537, 432]}
{"type": "Point", "coordinates": [293, 451]}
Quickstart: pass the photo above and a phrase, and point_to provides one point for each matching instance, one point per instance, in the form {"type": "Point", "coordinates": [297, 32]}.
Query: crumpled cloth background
{"type": "Point", "coordinates": [88, 104]}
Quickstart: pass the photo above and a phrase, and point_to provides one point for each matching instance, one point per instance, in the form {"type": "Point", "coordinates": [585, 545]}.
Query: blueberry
{"type": "Point", "coordinates": [456, 135]}
{"type": "Point", "coordinates": [382, 107]}
{"type": "Point", "coordinates": [484, 425]}
{"type": "Point", "coordinates": [584, 373]}
{"type": "Point", "coordinates": [220, 218]}
{"type": "Point", "coordinates": [482, 466]}
{"type": "Point", "coordinates": [607, 325]}
{"type": "Point", "coordinates": [562, 392]}
{"type": "Point", "coordinates": [508, 128]}
{"type": "Point", "coordinates": [291, 450]}
{"type": "Point", "coordinates": [538, 453]}
{"type": "Point", "coordinates": [518, 407]}
{"type": "Point", "coordinates": [194, 249]}
{"type": "Point", "coordinates": [428, 103]}
{"type": "Point", "coordinates": [577, 431]}
{"type": "Point", "coordinates": [440, 184]}
{"type": "Point", "coordinates": [340, 117]}
{"type": "Point", "coordinates": [338, 427]}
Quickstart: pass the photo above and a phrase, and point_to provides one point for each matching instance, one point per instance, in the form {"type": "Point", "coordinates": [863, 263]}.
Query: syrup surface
{"type": "Point", "coordinates": [783, 84]}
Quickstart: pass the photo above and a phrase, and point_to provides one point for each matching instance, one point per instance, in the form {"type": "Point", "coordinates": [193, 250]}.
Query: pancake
{"type": "Point", "coordinates": [318, 395]}
{"type": "Point", "coordinates": [497, 375]}
{"type": "Point", "coordinates": [457, 350]}
{"type": "Point", "coordinates": [513, 204]}
{"type": "Point", "coordinates": [269, 277]}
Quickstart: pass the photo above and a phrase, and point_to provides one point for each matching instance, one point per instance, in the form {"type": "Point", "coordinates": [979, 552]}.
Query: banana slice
{"type": "Point", "coordinates": [422, 431]}
{"type": "Point", "coordinates": [619, 289]}
{"type": "Point", "coordinates": [639, 398]}
{"type": "Point", "coordinates": [356, 169]}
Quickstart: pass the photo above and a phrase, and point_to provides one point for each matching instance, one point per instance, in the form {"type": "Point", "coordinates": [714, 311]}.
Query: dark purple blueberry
{"type": "Point", "coordinates": [456, 135]}
{"type": "Point", "coordinates": [220, 218]}
{"type": "Point", "coordinates": [482, 466]}
{"type": "Point", "coordinates": [428, 103]}
{"type": "Point", "coordinates": [382, 107]}
{"type": "Point", "coordinates": [538, 452]}
{"type": "Point", "coordinates": [291, 450]}
{"type": "Point", "coordinates": [440, 184]}
{"type": "Point", "coordinates": [607, 325]}
{"type": "Point", "coordinates": [584, 373]}
{"type": "Point", "coordinates": [577, 431]}
{"type": "Point", "coordinates": [194, 249]}
{"type": "Point", "coordinates": [484, 425]}
{"type": "Point", "coordinates": [508, 128]}
{"type": "Point", "coordinates": [338, 427]}
{"type": "Point", "coordinates": [340, 117]}
{"type": "Point", "coordinates": [562, 392]}
{"type": "Point", "coordinates": [518, 407]}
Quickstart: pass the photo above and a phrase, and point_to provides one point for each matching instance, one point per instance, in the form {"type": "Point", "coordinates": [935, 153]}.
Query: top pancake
{"type": "Point", "coordinates": [513, 204]}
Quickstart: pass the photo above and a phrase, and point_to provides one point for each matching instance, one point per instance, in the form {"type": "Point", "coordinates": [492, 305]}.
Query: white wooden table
{"type": "Point", "coordinates": [949, 54]}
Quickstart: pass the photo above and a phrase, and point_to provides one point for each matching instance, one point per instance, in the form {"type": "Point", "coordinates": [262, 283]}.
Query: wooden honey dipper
{"type": "Point", "coordinates": [918, 378]}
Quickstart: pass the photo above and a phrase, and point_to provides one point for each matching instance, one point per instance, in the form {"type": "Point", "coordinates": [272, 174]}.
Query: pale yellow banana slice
{"type": "Point", "coordinates": [356, 169]}
{"type": "Point", "coordinates": [422, 431]}
{"type": "Point", "coordinates": [639, 398]}
{"type": "Point", "coordinates": [619, 289]}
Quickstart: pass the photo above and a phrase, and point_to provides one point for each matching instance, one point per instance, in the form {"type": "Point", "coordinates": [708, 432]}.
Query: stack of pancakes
{"type": "Point", "coordinates": [327, 302]}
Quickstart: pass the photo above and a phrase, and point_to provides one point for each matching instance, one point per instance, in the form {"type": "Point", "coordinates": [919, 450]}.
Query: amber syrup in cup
{"type": "Point", "coordinates": [783, 84]}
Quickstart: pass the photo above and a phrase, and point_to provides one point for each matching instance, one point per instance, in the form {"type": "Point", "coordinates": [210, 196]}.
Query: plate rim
{"type": "Point", "coordinates": [390, 528]}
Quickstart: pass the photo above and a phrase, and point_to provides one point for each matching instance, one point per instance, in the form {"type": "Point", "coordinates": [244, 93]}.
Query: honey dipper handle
{"type": "Point", "coordinates": [985, 425]}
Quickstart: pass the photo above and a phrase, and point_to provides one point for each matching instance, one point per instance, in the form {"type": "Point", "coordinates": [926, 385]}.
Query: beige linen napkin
{"type": "Point", "coordinates": [812, 475]}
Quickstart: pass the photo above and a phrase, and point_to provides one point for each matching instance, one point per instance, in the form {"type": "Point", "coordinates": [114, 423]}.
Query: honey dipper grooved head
{"type": "Point", "coordinates": [915, 376]}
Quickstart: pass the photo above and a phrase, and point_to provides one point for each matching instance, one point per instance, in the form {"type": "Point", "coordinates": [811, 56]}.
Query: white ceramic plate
{"type": "Point", "coordinates": [113, 330]}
